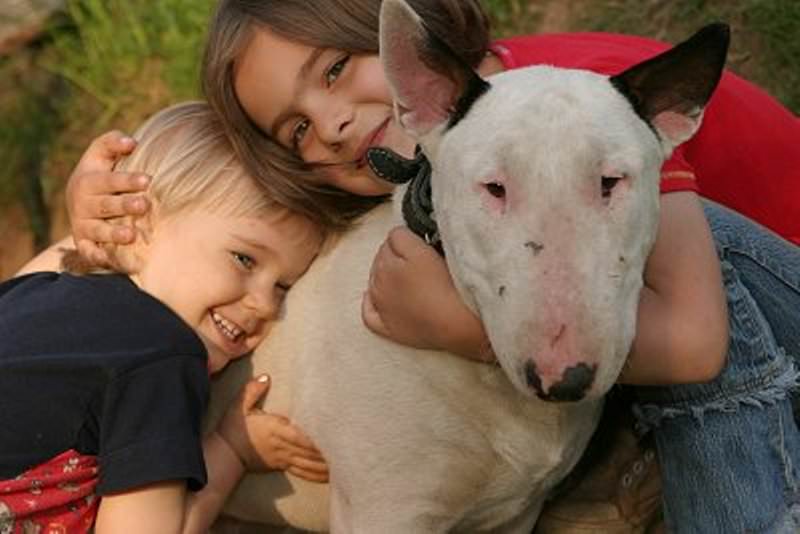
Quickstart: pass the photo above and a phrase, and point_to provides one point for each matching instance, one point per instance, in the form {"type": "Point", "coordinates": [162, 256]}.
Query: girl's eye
{"type": "Point", "coordinates": [299, 132]}
{"type": "Point", "coordinates": [245, 261]}
{"type": "Point", "coordinates": [335, 70]}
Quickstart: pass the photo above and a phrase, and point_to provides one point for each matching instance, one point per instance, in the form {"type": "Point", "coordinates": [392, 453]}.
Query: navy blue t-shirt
{"type": "Point", "coordinates": [93, 363]}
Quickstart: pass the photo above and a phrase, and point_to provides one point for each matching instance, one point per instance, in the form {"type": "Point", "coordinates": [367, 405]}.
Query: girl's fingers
{"type": "Point", "coordinates": [111, 194]}
{"type": "Point", "coordinates": [99, 231]}
{"type": "Point", "coordinates": [112, 184]}
{"type": "Point", "coordinates": [107, 206]}
{"type": "Point", "coordinates": [371, 317]}
{"type": "Point", "coordinates": [91, 252]}
{"type": "Point", "coordinates": [106, 149]}
{"type": "Point", "coordinates": [400, 239]}
{"type": "Point", "coordinates": [128, 182]}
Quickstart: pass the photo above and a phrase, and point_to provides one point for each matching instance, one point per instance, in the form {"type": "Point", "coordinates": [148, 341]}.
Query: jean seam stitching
{"type": "Point", "coordinates": [776, 271]}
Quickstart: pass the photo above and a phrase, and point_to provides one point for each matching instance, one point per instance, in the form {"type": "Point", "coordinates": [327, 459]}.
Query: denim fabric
{"type": "Point", "coordinates": [730, 448]}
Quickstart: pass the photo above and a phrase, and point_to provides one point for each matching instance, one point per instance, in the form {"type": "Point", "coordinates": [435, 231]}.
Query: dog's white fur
{"type": "Point", "coordinates": [419, 441]}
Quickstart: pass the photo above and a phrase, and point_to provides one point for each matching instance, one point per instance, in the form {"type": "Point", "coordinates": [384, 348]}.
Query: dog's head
{"type": "Point", "coordinates": [545, 187]}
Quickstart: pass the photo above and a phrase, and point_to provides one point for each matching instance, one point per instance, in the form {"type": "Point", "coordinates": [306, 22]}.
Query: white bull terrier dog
{"type": "Point", "coordinates": [545, 186]}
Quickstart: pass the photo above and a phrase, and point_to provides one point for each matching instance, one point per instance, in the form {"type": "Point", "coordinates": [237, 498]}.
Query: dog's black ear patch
{"type": "Point", "coordinates": [680, 80]}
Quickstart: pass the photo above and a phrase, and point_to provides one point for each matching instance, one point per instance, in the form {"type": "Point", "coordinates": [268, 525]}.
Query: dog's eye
{"type": "Point", "coordinates": [607, 184]}
{"type": "Point", "coordinates": [495, 189]}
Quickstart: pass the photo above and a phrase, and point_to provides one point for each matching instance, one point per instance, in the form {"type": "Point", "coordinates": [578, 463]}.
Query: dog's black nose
{"type": "Point", "coordinates": [572, 387]}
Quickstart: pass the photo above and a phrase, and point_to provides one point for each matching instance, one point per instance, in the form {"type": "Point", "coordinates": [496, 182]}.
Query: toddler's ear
{"type": "Point", "coordinates": [143, 226]}
{"type": "Point", "coordinates": [131, 258]}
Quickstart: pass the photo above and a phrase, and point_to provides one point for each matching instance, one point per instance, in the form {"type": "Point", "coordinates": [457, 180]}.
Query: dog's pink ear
{"type": "Point", "coordinates": [430, 84]}
{"type": "Point", "coordinates": [670, 91]}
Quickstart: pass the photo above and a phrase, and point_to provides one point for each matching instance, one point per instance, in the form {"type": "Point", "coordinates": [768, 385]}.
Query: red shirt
{"type": "Point", "coordinates": [746, 154]}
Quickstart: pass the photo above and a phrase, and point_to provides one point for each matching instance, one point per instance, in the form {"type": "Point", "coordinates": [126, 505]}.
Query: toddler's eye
{"type": "Point", "coordinates": [336, 69]}
{"type": "Point", "coordinates": [299, 132]}
{"type": "Point", "coordinates": [245, 261]}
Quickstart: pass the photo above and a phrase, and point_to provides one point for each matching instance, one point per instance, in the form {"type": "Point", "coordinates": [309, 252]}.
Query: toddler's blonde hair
{"type": "Point", "coordinates": [192, 165]}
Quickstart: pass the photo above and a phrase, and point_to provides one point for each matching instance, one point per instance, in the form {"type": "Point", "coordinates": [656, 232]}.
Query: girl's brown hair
{"type": "Point", "coordinates": [350, 25]}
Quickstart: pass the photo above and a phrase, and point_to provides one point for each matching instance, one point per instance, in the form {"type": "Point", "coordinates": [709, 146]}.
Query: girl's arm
{"type": "Point", "coordinates": [156, 508]}
{"type": "Point", "coordinates": [225, 469]}
{"type": "Point", "coordinates": [95, 192]}
{"type": "Point", "coordinates": [49, 259]}
{"type": "Point", "coordinates": [682, 330]}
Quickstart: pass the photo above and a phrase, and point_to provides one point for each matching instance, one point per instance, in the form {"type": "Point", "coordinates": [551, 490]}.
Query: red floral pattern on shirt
{"type": "Point", "coordinates": [56, 497]}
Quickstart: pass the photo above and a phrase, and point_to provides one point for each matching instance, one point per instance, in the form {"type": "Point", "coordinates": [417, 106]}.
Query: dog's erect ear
{"type": "Point", "coordinates": [430, 84]}
{"type": "Point", "coordinates": [671, 90]}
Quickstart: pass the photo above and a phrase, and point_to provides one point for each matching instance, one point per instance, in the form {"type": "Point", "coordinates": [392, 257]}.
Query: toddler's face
{"type": "Point", "coordinates": [226, 276]}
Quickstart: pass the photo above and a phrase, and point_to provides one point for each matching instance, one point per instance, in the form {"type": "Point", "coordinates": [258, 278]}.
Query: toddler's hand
{"type": "Point", "coordinates": [95, 193]}
{"type": "Point", "coordinates": [411, 299]}
{"type": "Point", "coordinates": [268, 441]}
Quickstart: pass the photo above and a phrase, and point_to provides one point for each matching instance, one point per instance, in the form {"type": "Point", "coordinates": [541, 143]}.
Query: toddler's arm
{"type": "Point", "coordinates": [155, 508]}
{"type": "Point", "coordinates": [248, 438]}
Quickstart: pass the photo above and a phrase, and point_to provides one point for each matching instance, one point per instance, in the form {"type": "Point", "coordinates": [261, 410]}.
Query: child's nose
{"type": "Point", "coordinates": [262, 303]}
{"type": "Point", "coordinates": [333, 125]}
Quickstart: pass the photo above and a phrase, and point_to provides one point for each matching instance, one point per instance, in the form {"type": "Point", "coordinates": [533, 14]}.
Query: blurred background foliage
{"type": "Point", "coordinates": [103, 64]}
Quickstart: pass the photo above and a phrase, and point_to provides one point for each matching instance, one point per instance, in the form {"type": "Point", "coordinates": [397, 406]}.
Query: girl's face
{"type": "Point", "coordinates": [326, 105]}
{"type": "Point", "coordinates": [226, 276]}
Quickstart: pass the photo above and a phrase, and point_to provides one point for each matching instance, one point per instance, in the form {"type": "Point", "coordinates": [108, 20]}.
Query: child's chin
{"type": "Point", "coordinates": [215, 366]}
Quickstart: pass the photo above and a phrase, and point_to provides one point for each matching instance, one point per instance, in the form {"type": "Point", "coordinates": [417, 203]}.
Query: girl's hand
{"type": "Point", "coordinates": [411, 299]}
{"type": "Point", "coordinates": [268, 441]}
{"type": "Point", "coordinates": [95, 193]}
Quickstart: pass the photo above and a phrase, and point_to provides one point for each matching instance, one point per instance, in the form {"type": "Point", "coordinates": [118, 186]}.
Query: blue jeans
{"type": "Point", "coordinates": [730, 449]}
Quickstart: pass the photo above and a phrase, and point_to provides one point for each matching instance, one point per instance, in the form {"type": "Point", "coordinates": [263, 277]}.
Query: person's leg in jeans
{"type": "Point", "coordinates": [730, 449]}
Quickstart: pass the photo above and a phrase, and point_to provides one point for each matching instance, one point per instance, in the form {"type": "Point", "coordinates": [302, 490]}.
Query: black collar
{"type": "Point", "coordinates": [417, 202]}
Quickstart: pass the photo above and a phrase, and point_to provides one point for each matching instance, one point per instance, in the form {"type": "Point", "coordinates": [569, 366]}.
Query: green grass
{"type": "Point", "coordinates": [765, 45]}
{"type": "Point", "coordinates": [119, 60]}
{"type": "Point", "coordinates": [130, 56]}
{"type": "Point", "coordinates": [510, 17]}
{"type": "Point", "coordinates": [30, 119]}
{"type": "Point", "coordinates": [778, 23]}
